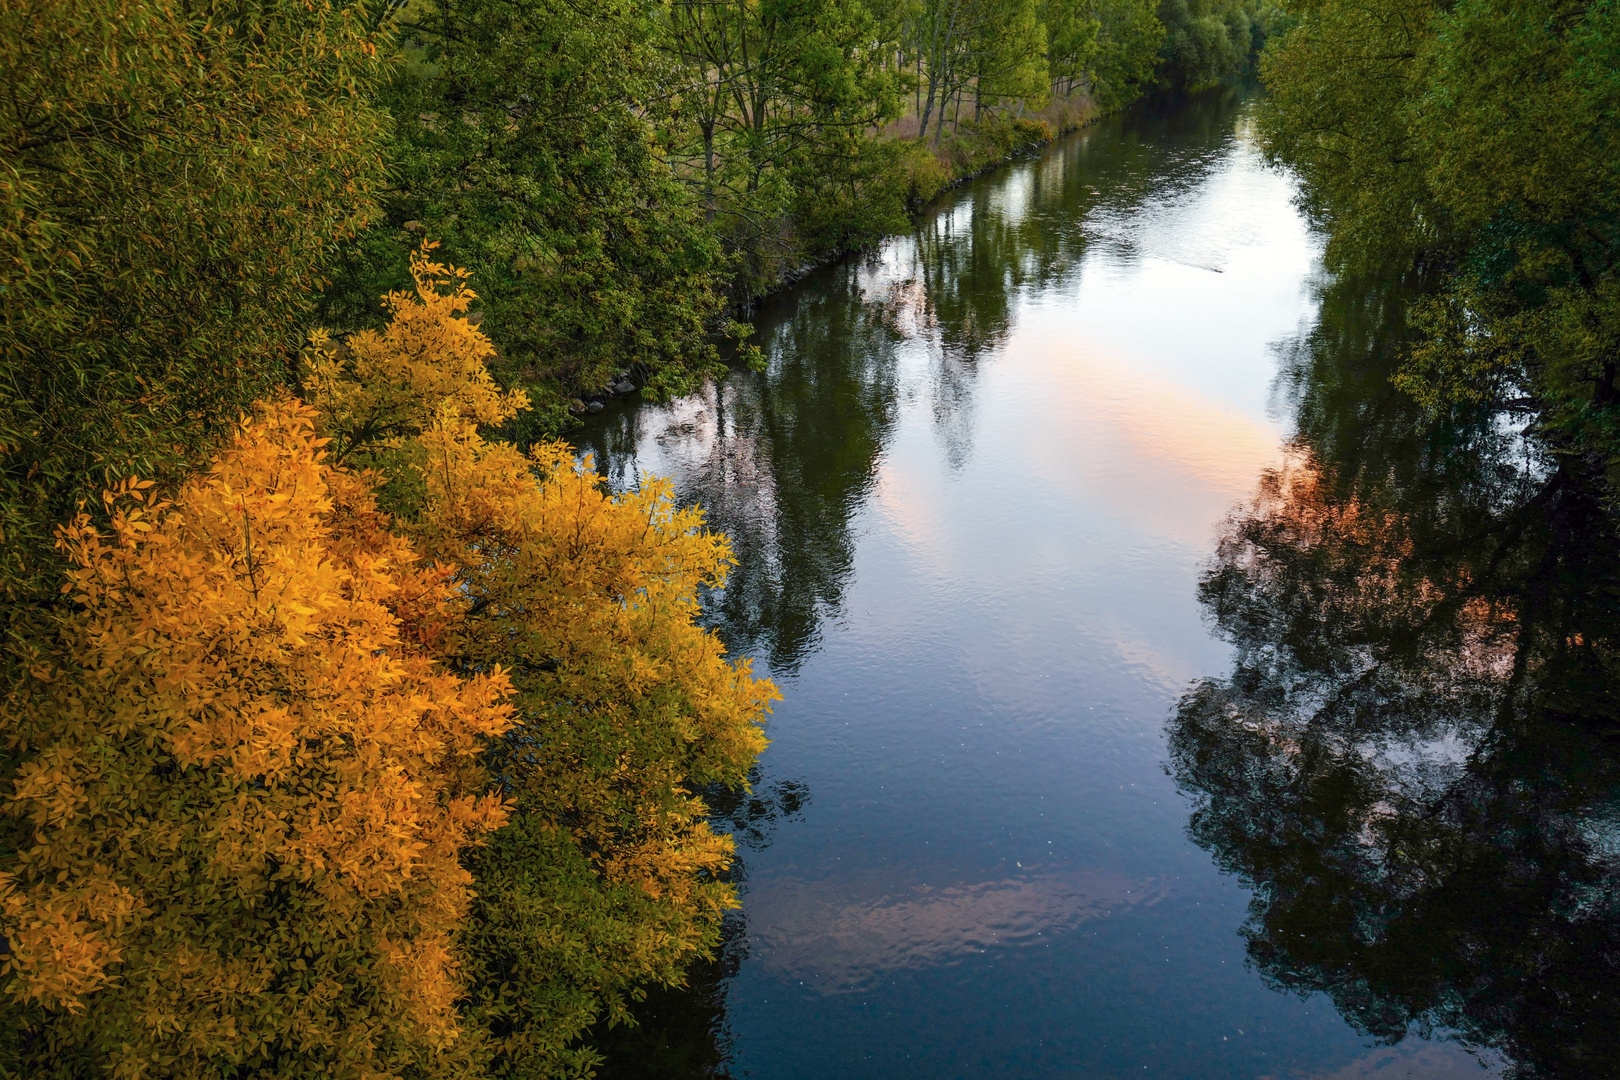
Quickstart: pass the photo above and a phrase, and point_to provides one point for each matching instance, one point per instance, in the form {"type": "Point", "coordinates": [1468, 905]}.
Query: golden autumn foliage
{"type": "Point", "coordinates": [376, 389]}
{"type": "Point", "coordinates": [608, 876]}
{"type": "Point", "coordinates": [299, 787]}
{"type": "Point", "coordinates": [242, 785]}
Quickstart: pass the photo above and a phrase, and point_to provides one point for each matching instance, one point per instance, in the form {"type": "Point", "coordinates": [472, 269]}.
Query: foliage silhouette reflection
{"type": "Point", "coordinates": [784, 461]}
{"type": "Point", "coordinates": [1413, 763]}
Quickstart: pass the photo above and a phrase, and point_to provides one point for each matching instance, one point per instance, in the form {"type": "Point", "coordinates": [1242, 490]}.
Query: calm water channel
{"type": "Point", "coordinates": [1164, 696]}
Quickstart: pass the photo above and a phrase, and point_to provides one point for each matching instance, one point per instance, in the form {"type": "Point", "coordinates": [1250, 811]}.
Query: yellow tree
{"type": "Point", "coordinates": [377, 390]}
{"type": "Point", "coordinates": [608, 876]}
{"type": "Point", "coordinates": [242, 787]}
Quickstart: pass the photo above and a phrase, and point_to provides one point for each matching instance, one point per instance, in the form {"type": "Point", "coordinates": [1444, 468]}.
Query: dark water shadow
{"type": "Point", "coordinates": [1414, 764]}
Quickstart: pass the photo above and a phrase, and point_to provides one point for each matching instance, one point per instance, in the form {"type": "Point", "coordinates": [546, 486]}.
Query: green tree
{"type": "Point", "coordinates": [1128, 37]}
{"type": "Point", "coordinates": [1072, 32]}
{"type": "Point", "coordinates": [1205, 41]}
{"type": "Point", "coordinates": [780, 98]}
{"type": "Point", "coordinates": [525, 136]}
{"type": "Point", "coordinates": [1477, 138]}
{"type": "Point", "coordinates": [958, 38]}
{"type": "Point", "coordinates": [171, 177]}
{"type": "Point", "coordinates": [1343, 85]}
{"type": "Point", "coordinates": [1010, 59]}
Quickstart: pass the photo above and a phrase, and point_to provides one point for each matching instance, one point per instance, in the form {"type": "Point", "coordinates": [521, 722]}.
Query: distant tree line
{"type": "Point", "coordinates": [625, 178]}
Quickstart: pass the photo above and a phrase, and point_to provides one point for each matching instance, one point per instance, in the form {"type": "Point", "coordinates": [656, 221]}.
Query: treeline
{"type": "Point", "coordinates": [624, 178]}
{"type": "Point", "coordinates": [1474, 142]}
{"type": "Point", "coordinates": [348, 728]}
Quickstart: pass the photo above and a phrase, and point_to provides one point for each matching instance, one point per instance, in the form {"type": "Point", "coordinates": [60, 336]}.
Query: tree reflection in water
{"type": "Point", "coordinates": [783, 461]}
{"type": "Point", "coordinates": [1413, 764]}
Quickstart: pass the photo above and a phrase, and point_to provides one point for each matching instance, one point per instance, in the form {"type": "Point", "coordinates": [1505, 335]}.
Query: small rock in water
{"type": "Point", "coordinates": [577, 407]}
{"type": "Point", "coordinates": [595, 406]}
{"type": "Point", "coordinates": [624, 386]}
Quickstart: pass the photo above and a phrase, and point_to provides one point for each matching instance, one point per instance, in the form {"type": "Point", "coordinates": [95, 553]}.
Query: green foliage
{"type": "Point", "coordinates": [1072, 32]}
{"type": "Point", "coordinates": [1129, 34]}
{"type": "Point", "coordinates": [779, 99]}
{"type": "Point", "coordinates": [781, 103]}
{"type": "Point", "coordinates": [992, 49]}
{"type": "Point", "coordinates": [1479, 138]}
{"type": "Point", "coordinates": [617, 175]}
{"type": "Point", "coordinates": [524, 139]}
{"type": "Point", "coordinates": [171, 176]}
{"type": "Point", "coordinates": [873, 192]}
{"type": "Point", "coordinates": [1205, 41]}
{"type": "Point", "coordinates": [1342, 88]}
{"type": "Point", "coordinates": [1109, 47]}
{"type": "Point", "coordinates": [1010, 61]}
{"type": "Point", "coordinates": [991, 141]}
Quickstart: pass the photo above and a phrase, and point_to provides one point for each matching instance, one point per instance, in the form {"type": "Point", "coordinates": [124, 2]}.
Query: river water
{"type": "Point", "coordinates": [1161, 690]}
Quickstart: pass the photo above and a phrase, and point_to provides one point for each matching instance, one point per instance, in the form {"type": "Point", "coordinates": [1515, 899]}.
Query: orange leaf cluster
{"type": "Point", "coordinates": [246, 779]}
{"type": "Point", "coordinates": [378, 388]}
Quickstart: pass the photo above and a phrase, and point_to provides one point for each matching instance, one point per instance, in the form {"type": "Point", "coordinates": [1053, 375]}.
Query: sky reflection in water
{"type": "Point", "coordinates": [972, 500]}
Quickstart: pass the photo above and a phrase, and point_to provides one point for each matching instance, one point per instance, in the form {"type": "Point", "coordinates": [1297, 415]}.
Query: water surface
{"type": "Point", "coordinates": [1089, 764]}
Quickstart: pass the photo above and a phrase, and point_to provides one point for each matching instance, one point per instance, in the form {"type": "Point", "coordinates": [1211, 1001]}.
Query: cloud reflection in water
{"type": "Point", "coordinates": [815, 933]}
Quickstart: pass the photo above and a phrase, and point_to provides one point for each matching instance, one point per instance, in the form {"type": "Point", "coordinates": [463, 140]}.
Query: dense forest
{"type": "Point", "coordinates": [1472, 144]}
{"type": "Point", "coordinates": [350, 728]}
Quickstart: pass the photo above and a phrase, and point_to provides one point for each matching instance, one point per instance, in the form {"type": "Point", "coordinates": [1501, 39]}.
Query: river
{"type": "Point", "coordinates": [1163, 695]}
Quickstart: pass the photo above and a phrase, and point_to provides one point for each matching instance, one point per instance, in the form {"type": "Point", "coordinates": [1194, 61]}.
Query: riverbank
{"type": "Point", "coordinates": [923, 170]}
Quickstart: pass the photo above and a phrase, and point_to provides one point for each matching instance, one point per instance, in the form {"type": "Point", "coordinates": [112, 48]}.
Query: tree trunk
{"type": "Point", "coordinates": [707, 128]}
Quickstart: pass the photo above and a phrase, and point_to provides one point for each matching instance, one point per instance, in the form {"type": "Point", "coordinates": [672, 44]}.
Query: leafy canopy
{"type": "Point", "coordinates": [242, 785]}
{"type": "Point", "coordinates": [524, 136]}
{"type": "Point", "coordinates": [608, 876]}
{"type": "Point", "coordinates": [1477, 139]}
{"type": "Point", "coordinates": [171, 175]}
